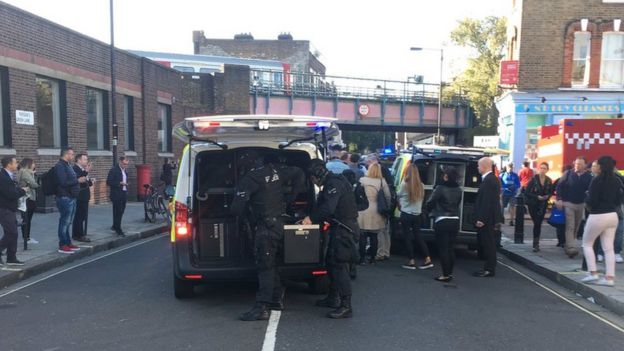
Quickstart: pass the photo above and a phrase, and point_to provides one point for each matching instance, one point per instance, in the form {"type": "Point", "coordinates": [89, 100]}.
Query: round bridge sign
{"type": "Point", "coordinates": [363, 110]}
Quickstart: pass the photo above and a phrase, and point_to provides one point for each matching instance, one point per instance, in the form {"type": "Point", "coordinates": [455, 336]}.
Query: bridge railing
{"type": "Point", "coordinates": [311, 85]}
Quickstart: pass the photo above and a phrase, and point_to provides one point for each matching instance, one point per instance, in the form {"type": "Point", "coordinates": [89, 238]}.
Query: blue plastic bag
{"type": "Point", "coordinates": [557, 217]}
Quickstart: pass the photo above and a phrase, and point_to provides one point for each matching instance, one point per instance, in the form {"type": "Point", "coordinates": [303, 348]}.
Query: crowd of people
{"type": "Point", "coordinates": [589, 205]}
{"type": "Point", "coordinates": [70, 183]}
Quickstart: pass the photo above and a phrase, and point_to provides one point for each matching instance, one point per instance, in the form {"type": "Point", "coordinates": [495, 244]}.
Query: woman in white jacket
{"type": "Point", "coordinates": [369, 220]}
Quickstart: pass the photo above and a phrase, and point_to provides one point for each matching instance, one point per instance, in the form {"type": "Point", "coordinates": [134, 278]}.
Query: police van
{"type": "Point", "coordinates": [430, 160]}
{"type": "Point", "coordinates": [209, 243]}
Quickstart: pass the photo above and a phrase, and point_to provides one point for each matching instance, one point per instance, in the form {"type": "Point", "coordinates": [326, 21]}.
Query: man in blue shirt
{"type": "Point", "coordinates": [510, 183]}
{"type": "Point", "coordinates": [335, 164]}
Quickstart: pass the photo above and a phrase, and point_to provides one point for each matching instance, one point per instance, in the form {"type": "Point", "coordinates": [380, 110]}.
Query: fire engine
{"type": "Point", "coordinates": [559, 145]}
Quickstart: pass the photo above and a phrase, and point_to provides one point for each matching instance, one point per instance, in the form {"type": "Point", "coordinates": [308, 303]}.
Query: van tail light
{"type": "Point", "coordinates": [182, 221]}
{"type": "Point", "coordinates": [317, 273]}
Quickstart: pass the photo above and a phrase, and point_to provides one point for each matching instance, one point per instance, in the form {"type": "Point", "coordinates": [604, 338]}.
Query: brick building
{"type": "Point", "coordinates": [571, 65]}
{"type": "Point", "coordinates": [55, 91]}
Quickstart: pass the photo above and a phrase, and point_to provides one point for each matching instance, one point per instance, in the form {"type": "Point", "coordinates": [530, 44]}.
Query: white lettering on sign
{"type": "Point", "coordinates": [24, 117]}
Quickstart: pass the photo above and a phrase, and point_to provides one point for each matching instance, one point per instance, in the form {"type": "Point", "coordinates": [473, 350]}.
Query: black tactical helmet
{"type": "Point", "coordinates": [248, 160]}
{"type": "Point", "coordinates": [318, 169]}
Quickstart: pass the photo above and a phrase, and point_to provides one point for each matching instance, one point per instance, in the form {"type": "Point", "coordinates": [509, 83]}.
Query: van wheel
{"type": "Point", "coordinates": [319, 285]}
{"type": "Point", "coordinates": [182, 289]}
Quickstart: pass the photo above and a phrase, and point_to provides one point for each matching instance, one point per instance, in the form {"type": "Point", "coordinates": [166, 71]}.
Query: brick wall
{"type": "Point", "coordinates": [544, 30]}
{"type": "Point", "coordinates": [31, 46]}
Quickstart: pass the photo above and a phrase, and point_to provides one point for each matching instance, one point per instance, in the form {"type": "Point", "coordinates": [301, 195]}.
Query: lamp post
{"type": "Point", "coordinates": [113, 90]}
{"type": "Point", "coordinates": [437, 138]}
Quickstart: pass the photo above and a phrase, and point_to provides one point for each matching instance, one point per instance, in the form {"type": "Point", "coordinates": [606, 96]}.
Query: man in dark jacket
{"type": "Point", "coordinates": [487, 214]}
{"type": "Point", "coordinates": [68, 188]}
{"type": "Point", "coordinates": [9, 194]}
{"type": "Point", "coordinates": [337, 206]}
{"type": "Point", "coordinates": [262, 187]}
{"type": "Point", "coordinates": [117, 180]}
{"type": "Point", "coordinates": [82, 168]}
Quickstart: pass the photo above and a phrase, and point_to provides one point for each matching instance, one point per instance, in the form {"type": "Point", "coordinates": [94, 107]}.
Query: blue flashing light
{"type": "Point", "coordinates": [387, 151]}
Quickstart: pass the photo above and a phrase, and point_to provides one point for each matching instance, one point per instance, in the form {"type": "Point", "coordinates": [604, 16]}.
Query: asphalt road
{"type": "Point", "coordinates": [125, 301]}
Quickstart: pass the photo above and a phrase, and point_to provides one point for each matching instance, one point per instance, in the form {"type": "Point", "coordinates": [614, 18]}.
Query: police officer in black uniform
{"type": "Point", "coordinates": [262, 187]}
{"type": "Point", "coordinates": [337, 206]}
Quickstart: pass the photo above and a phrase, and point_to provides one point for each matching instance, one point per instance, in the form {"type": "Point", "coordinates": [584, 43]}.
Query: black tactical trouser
{"type": "Point", "coordinates": [268, 245]}
{"type": "Point", "coordinates": [341, 252]}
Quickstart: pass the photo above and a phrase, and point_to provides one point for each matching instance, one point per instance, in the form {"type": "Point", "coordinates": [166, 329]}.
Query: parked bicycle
{"type": "Point", "coordinates": [156, 203]}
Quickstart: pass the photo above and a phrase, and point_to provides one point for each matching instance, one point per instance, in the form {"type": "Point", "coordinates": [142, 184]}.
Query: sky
{"type": "Point", "coordinates": [355, 38]}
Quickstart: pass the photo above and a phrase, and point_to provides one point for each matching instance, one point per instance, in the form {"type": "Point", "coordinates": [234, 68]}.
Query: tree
{"type": "Point", "coordinates": [486, 37]}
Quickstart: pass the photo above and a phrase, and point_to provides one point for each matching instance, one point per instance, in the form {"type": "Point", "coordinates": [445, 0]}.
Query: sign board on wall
{"type": "Point", "coordinates": [24, 117]}
{"type": "Point", "coordinates": [363, 110]}
{"type": "Point", "coordinates": [509, 72]}
{"type": "Point", "coordinates": [485, 141]}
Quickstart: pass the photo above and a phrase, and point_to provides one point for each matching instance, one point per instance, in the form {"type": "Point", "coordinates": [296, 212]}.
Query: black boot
{"type": "Point", "coordinates": [536, 245]}
{"type": "Point", "coordinates": [332, 300]}
{"type": "Point", "coordinates": [344, 311]}
{"type": "Point", "coordinates": [257, 313]}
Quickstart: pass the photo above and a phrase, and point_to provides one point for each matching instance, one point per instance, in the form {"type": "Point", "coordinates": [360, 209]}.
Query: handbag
{"type": "Point", "coordinates": [557, 217]}
{"type": "Point", "coordinates": [383, 207]}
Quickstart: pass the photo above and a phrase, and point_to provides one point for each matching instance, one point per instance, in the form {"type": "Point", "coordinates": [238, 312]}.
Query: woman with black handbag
{"type": "Point", "coordinates": [373, 219]}
{"type": "Point", "coordinates": [537, 193]}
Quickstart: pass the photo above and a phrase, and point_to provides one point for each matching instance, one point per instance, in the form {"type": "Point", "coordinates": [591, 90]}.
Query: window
{"type": "Point", "coordinates": [48, 113]}
{"type": "Point", "coordinates": [187, 69]}
{"type": "Point", "coordinates": [97, 126]}
{"type": "Point", "coordinates": [580, 61]}
{"type": "Point", "coordinates": [164, 128]}
{"type": "Point", "coordinates": [129, 123]}
{"type": "Point", "coordinates": [612, 64]}
{"type": "Point", "coordinates": [5, 113]}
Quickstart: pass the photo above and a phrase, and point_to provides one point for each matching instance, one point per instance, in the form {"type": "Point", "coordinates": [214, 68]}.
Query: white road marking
{"type": "Point", "coordinates": [618, 328]}
{"type": "Point", "coordinates": [270, 337]}
{"type": "Point", "coordinates": [141, 242]}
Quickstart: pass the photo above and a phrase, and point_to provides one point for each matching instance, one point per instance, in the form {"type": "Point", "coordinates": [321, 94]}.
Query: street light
{"type": "Point", "coordinates": [437, 141]}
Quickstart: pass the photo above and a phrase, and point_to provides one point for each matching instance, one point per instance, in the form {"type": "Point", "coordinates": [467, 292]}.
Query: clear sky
{"type": "Point", "coordinates": [368, 39]}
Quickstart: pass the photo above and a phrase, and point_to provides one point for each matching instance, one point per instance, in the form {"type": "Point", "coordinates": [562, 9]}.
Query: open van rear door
{"type": "Point", "coordinates": [220, 130]}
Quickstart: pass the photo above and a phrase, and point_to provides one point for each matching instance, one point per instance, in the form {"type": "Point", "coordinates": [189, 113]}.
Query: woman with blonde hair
{"type": "Point", "coordinates": [26, 178]}
{"type": "Point", "coordinates": [370, 220]}
{"type": "Point", "coordinates": [411, 196]}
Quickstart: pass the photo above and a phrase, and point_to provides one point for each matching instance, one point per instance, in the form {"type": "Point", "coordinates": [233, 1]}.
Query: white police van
{"type": "Point", "coordinates": [209, 243]}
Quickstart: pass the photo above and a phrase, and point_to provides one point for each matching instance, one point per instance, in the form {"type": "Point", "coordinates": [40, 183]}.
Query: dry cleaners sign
{"type": "Point", "coordinates": [24, 117]}
{"type": "Point", "coordinates": [569, 108]}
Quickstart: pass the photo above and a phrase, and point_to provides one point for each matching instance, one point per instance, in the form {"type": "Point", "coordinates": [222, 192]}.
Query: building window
{"type": "Point", "coordinates": [581, 59]}
{"type": "Point", "coordinates": [48, 113]}
{"type": "Point", "coordinates": [97, 125]}
{"type": "Point", "coordinates": [5, 112]}
{"type": "Point", "coordinates": [129, 123]}
{"type": "Point", "coordinates": [612, 64]}
{"type": "Point", "coordinates": [164, 128]}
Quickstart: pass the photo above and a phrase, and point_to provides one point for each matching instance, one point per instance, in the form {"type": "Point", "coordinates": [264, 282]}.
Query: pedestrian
{"type": "Point", "coordinates": [354, 165]}
{"type": "Point", "coordinates": [263, 187]}
{"type": "Point", "coordinates": [370, 221]}
{"type": "Point", "coordinates": [487, 214]}
{"type": "Point", "coordinates": [82, 169]}
{"type": "Point", "coordinates": [9, 195]}
{"type": "Point", "coordinates": [537, 192]}
{"type": "Point", "coordinates": [117, 180]}
{"type": "Point", "coordinates": [410, 199]}
{"type": "Point", "coordinates": [571, 192]}
{"type": "Point", "coordinates": [443, 205]}
{"type": "Point", "coordinates": [511, 186]}
{"type": "Point", "coordinates": [384, 241]}
{"type": "Point", "coordinates": [617, 245]}
{"type": "Point", "coordinates": [26, 178]}
{"type": "Point", "coordinates": [525, 174]}
{"type": "Point", "coordinates": [167, 172]}
{"type": "Point", "coordinates": [606, 194]}
{"type": "Point", "coordinates": [67, 190]}
{"type": "Point", "coordinates": [337, 206]}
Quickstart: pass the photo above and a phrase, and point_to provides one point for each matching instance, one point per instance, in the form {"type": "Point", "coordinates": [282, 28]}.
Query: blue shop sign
{"type": "Point", "coordinates": [569, 108]}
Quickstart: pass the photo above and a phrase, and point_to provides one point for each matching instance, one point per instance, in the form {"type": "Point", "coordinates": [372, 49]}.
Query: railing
{"type": "Point", "coordinates": [311, 85]}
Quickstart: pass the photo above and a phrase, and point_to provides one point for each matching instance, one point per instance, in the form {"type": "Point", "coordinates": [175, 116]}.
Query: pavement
{"type": "Point", "coordinates": [552, 263]}
{"type": "Point", "coordinates": [123, 300]}
{"type": "Point", "coordinates": [42, 257]}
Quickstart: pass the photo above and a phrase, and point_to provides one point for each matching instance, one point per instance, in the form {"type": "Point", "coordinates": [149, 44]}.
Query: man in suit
{"type": "Point", "coordinates": [9, 194]}
{"type": "Point", "coordinates": [82, 168]}
{"type": "Point", "coordinates": [117, 180]}
{"type": "Point", "coordinates": [487, 214]}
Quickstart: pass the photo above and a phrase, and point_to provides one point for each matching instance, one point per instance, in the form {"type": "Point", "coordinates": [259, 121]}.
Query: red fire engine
{"type": "Point", "coordinates": [560, 144]}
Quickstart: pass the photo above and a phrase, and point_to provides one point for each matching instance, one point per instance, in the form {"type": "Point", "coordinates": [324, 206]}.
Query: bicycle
{"type": "Point", "coordinates": [154, 204]}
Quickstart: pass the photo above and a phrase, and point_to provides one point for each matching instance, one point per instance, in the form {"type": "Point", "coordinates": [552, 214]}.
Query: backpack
{"type": "Point", "coordinates": [49, 183]}
{"type": "Point", "coordinates": [383, 207]}
{"type": "Point", "coordinates": [361, 201]}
